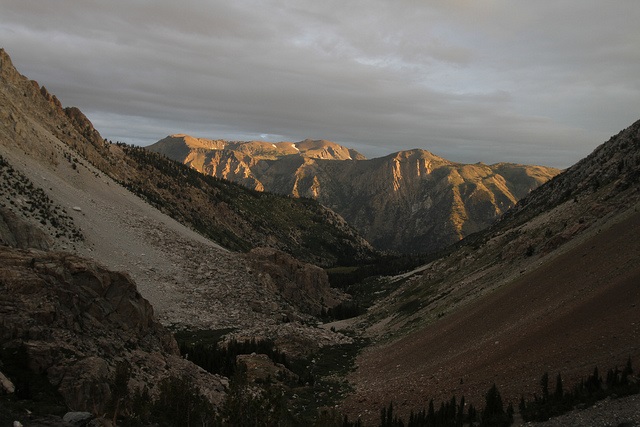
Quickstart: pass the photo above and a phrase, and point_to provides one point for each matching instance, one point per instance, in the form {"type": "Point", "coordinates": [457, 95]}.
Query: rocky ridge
{"type": "Point", "coordinates": [410, 201]}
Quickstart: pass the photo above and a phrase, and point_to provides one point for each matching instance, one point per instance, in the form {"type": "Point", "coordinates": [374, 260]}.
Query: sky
{"type": "Point", "coordinates": [537, 82]}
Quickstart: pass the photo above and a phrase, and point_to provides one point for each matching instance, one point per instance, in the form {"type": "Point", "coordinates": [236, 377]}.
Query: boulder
{"type": "Point", "coordinates": [6, 386]}
{"type": "Point", "coordinates": [78, 418]}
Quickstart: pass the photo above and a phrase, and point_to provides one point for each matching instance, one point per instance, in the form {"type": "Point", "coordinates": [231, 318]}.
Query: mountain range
{"type": "Point", "coordinates": [409, 201]}
{"type": "Point", "coordinates": [112, 254]}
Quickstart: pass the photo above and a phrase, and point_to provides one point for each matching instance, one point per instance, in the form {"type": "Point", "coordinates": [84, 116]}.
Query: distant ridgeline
{"type": "Point", "coordinates": [410, 201]}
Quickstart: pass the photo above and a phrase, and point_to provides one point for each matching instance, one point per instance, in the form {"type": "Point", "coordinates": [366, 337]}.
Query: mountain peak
{"type": "Point", "coordinates": [329, 150]}
{"type": "Point", "coordinates": [178, 147]}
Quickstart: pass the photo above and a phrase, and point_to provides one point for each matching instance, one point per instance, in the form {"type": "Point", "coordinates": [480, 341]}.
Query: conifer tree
{"type": "Point", "coordinates": [431, 414]}
{"type": "Point", "coordinates": [544, 383]}
{"type": "Point", "coordinates": [460, 415]}
{"type": "Point", "coordinates": [559, 393]}
{"type": "Point", "coordinates": [493, 413]}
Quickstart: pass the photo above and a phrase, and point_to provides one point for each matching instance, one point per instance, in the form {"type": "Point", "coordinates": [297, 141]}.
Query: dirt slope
{"type": "Point", "coordinates": [576, 311]}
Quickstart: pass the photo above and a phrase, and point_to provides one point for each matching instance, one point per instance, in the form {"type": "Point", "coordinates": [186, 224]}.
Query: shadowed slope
{"type": "Point", "coordinates": [569, 315]}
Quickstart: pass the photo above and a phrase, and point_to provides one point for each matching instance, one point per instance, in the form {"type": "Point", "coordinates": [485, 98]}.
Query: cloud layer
{"type": "Point", "coordinates": [489, 80]}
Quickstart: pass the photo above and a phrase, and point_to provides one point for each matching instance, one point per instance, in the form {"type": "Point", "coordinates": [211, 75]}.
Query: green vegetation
{"type": "Point", "coordinates": [221, 359]}
{"type": "Point", "coordinates": [618, 383]}
{"type": "Point", "coordinates": [344, 310]}
{"type": "Point", "coordinates": [384, 265]}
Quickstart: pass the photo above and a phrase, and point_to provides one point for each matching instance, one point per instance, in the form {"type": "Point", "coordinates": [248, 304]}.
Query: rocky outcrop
{"type": "Point", "coordinates": [6, 386]}
{"type": "Point", "coordinates": [303, 285]}
{"type": "Point", "coordinates": [261, 369]}
{"type": "Point", "coordinates": [73, 321]}
{"type": "Point", "coordinates": [410, 201]}
{"type": "Point", "coordinates": [20, 234]}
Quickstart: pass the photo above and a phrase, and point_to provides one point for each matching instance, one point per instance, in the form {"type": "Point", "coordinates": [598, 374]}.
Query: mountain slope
{"type": "Point", "coordinates": [410, 201]}
{"type": "Point", "coordinates": [73, 302]}
{"type": "Point", "coordinates": [234, 217]}
{"type": "Point", "coordinates": [61, 178]}
{"type": "Point", "coordinates": [551, 287]}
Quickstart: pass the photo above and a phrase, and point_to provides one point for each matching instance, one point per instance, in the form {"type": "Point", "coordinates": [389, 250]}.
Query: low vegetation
{"type": "Point", "coordinates": [32, 202]}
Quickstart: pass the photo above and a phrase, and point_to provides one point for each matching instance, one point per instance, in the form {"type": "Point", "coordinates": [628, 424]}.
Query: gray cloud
{"type": "Point", "coordinates": [529, 82]}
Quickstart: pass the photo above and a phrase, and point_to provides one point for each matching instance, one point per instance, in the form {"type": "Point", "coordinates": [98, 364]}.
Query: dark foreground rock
{"type": "Point", "coordinates": [72, 322]}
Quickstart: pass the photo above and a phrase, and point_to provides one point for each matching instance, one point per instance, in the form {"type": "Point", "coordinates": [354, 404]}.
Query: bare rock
{"type": "Point", "coordinates": [261, 369]}
{"type": "Point", "coordinates": [6, 386]}
{"type": "Point", "coordinates": [75, 321]}
{"type": "Point", "coordinates": [303, 285]}
{"type": "Point", "coordinates": [20, 234]}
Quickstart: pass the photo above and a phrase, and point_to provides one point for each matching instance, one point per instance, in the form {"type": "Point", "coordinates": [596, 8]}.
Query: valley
{"type": "Point", "coordinates": [114, 257]}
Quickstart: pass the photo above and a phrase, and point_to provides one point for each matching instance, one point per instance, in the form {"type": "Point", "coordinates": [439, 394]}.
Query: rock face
{"type": "Point", "coordinates": [17, 233]}
{"type": "Point", "coordinates": [73, 321]}
{"type": "Point", "coordinates": [410, 201]}
{"type": "Point", "coordinates": [304, 286]}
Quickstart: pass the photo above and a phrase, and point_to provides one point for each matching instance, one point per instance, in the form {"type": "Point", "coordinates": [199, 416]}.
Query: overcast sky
{"type": "Point", "coordinates": [528, 81]}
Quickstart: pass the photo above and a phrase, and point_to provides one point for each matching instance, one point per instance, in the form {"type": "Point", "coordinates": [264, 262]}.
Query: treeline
{"type": "Point", "coordinates": [385, 265]}
{"type": "Point", "coordinates": [617, 383]}
{"type": "Point", "coordinates": [586, 392]}
{"type": "Point", "coordinates": [454, 414]}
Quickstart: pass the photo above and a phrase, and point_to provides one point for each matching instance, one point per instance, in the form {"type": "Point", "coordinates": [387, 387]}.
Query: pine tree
{"type": "Point", "coordinates": [460, 415]}
{"type": "Point", "coordinates": [628, 370]}
{"type": "Point", "coordinates": [544, 383]}
{"type": "Point", "coordinates": [493, 413]}
{"type": "Point", "coordinates": [431, 414]}
{"type": "Point", "coordinates": [559, 393]}
{"type": "Point", "coordinates": [522, 407]}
